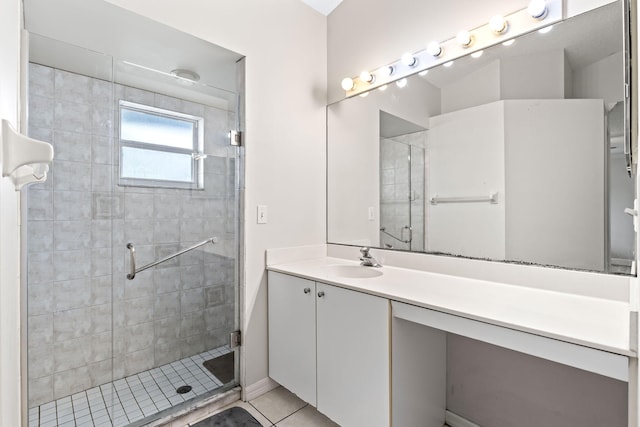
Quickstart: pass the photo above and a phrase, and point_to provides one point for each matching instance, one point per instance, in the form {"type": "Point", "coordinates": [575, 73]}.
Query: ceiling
{"type": "Point", "coordinates": [323, 6]}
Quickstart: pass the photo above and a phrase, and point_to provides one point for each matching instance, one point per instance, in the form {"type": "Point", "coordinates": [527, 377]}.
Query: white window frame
{"type": "Point", "coordinates": [197, 170]}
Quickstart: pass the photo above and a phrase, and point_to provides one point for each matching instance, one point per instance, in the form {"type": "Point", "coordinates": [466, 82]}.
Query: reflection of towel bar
{"type": "Point", "coordinates": [493, 198]}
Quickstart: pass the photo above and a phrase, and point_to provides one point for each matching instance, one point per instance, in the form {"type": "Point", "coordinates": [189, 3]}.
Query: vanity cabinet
{"type": "Point", "coordinates": [330, 346]}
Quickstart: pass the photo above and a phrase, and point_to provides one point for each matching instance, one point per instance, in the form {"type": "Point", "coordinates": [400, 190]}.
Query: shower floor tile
{"type": "Point", "coordinates": [133, 398]}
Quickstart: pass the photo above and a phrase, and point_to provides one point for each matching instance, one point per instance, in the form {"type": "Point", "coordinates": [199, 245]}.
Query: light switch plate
{"type": "Point", "coordinates": [262, 214]}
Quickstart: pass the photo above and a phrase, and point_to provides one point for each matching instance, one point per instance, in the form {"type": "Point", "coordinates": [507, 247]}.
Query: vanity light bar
{"type": "Point", "coordinates": [497, 31]}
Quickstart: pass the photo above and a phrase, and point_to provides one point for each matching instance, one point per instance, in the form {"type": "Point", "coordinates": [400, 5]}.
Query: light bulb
{"type": "Point", "coordinates": [464, 38]}
{"type": "Point", "coordinates": [537, 9]}
{"type": "Point", "coordinates": [498, 24]}
{"type": "Point", "coordinates": [423, 73]}
{"type": "Point", "coordinates": [434, 49]}
{"type": "Point", "coordinates": [448, 64]}
{"type": "Point", "coordinates": [545, 30]}
{"type": "Point", "coordinates": [401, 83]}
{"type": "Point", "coordinates": [409, 60]}
{"type": "Point", "coordinates": [383, 88]}
{"type": "Point", "coordinates": [367, 77]}
{"type": "Point", "coordinates": [348, 84]}
{"type": "Point", "coordinates": [364, 95]}
{"type": "Point", "coordinates": [477, 54]}
{"type": "Point", "coordinates": [509, 42]}
{"type": "Point", "coordinates": [387, 70]}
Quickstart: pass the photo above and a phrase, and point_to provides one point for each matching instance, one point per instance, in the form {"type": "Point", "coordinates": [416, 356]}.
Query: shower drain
{"type": "Point", "coordinates": [183, 389]}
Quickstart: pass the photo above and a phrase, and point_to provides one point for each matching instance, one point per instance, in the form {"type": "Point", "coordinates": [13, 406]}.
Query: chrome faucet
{"type": "Point", "coordinates": [367, 259]}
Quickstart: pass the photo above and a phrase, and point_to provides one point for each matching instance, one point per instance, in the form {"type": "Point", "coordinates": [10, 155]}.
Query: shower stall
{"type": "Point", "coordinates": [133, 242]}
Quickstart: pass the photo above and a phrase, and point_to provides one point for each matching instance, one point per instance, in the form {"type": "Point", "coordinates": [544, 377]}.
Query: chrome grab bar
{"type": "Point", "coordinates": [401, 239]}
{"type": "Point", "coordinates": [132, 261]}
{"type": "Point", "coordinates": [493, 198]}
{"type": "Point", "coordinates": [132, 251]}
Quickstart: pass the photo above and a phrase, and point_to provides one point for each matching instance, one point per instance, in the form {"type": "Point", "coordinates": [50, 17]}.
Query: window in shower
{"type": "Point", "coordinates": [159, 148]}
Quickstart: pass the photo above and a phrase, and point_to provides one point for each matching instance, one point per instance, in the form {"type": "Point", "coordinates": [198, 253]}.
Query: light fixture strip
{"type": "Point", "coordinates": [519, 23]}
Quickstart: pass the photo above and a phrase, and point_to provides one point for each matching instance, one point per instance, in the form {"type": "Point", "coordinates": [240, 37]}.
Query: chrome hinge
{"type": "Point", "coordinates": [634, 214]}
{"type": "Point", "coordinates": [235, 339]}
{"type": "Point", "coordinates": [235, 138]}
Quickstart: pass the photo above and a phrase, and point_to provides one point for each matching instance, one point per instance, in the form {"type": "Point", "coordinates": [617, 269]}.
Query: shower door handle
{"type": "Point", "coordinates": [132, 261]}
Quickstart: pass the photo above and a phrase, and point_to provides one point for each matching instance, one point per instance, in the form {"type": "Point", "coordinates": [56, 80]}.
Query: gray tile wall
{"type": "Point", "coordinates": [87, 324]}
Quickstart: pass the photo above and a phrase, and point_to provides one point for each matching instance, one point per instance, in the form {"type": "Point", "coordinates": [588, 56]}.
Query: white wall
{"type": "Point", "coordinates": [588, 82]}
{"type": "Point", "coordinates": [481, 86]}
{"type": "Point", "coordinates": [534, 76]}
{"type": "Point", "coordinates": [10, 23]}
{"type": "Point", "coordinates": [285, 45]}
{"type": "Point", "coordinates": [567, 196]}
{"type": "Point", "coordinates": [466, 158]}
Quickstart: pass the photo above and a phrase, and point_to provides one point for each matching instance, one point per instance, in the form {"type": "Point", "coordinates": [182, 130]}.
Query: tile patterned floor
{"type": "Point", "coordinates": [279, 408]}
{"type": "Point", "coordinates": [132, 398]}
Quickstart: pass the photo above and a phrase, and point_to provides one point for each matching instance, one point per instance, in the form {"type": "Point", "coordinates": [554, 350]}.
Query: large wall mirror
{"type": "Point", "coordinates": [521, 154]}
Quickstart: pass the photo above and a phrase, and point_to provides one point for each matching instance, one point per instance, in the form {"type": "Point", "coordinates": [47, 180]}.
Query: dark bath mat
{"type": "Point", "coordinates": [232, 417]}
{"type": "Point", "coordinates": [222, 367]}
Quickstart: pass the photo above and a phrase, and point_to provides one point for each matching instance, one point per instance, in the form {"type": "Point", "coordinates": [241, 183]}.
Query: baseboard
{"type": "Point", "coordinates": [454, 420]}
{"type": "Point", "coordinates": [258, 388]}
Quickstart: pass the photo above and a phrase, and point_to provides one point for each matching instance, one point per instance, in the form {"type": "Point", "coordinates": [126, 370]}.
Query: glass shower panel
{"type": "Point", "coordinates": [172, 321]}
{"type": "Point", "coordinates": [416, 197]}
{"type": "Point", "coordinates": [69, 227]}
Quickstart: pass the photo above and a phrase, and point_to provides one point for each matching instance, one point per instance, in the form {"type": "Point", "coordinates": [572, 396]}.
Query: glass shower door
{"type": "Point", "coordinates": [179, 216]}
{"type": "Point", "coordinates": [402, 163]}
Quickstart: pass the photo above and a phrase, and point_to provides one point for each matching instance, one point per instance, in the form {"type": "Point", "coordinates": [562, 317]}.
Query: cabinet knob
{"type": "Point", "coordinates": [307, 290]}
{"type": "Point", "coordinates": [320, 294]}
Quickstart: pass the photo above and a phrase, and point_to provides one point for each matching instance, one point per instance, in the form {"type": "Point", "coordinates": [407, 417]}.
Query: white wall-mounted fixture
{"type": "Point", "coordinates": [434, 49]}
{"type": "Point", "coordinates": [348, 84]}
{"type": "Point", "coordinates": [464, 38]}
{"type": "Point", "coordinates": [24, 159]}
{"type": "Point", "coordinates": [498, 24]}
{"type": "Point", "coordinates": [538, 9]}
{"type": "Point", "coordinates": [185, 74]}
{"type": "Point", "coordinates": [367, 77]}
{"type": "Point", "coordinates": [499, 29]}
{"type": "Point", "coordinates": [409, 60]}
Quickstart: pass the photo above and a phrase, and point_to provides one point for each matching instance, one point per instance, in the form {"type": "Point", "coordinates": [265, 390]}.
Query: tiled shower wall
{"type": "Point", "coordinates": [88, 324]}
{"type": "Point", "coordinates": [403, 189]}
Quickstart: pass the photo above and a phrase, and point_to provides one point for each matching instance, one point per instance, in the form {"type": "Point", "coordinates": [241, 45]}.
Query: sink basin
{"type": "Point", "coordinates": [354, 271]}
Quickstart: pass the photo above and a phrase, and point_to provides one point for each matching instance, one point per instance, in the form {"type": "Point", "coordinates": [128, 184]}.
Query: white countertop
{"type": "Point", "coordinates": [592, 322]}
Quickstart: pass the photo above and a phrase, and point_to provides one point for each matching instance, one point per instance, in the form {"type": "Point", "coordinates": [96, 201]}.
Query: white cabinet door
{"type": "Point", "coordinates": [292, 337]}
{"type": "Point", "coordinates": [353, 357]}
